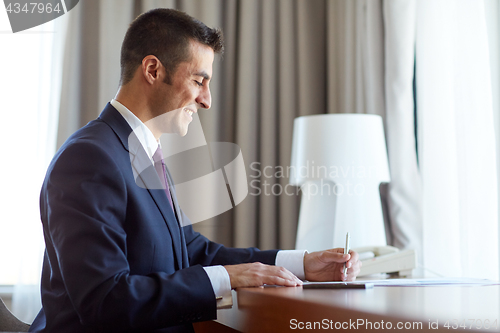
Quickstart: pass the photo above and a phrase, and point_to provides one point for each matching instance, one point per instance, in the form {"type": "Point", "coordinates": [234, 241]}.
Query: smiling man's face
{"type": "Point", "coordinates": [175, 103]}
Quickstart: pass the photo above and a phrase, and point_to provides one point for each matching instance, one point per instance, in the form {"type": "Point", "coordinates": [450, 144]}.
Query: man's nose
{"type": "Point", "coordinates": [204, 99]}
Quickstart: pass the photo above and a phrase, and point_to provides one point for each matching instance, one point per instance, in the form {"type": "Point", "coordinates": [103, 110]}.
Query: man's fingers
{"type": "Point", "coordinates": [282, 281]}
{"type": "Point", "coordinates": [354, 256]}
{"type": "Point", "coordinates": [334, 256]}
{"type": "Point", "coordinates": [354, 261]}
{"type": "Point", "coordinates": [328, 265]}
{"type": "Point", "coordinates": [353, 266]}
{"type": "Point", "coordinates": [258, 274]}
{"type": "Point", "coordinates": [281, 276]}
{"type": "Point", "coordinates": [348, 265]}
{"type": "Point", "coordinates": [352, 272]}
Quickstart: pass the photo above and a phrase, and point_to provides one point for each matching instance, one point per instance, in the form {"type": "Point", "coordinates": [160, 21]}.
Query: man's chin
{"type": "Point", "coordinates": [183, 131]}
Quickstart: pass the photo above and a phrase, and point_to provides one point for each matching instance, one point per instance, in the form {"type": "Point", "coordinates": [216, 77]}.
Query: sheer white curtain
{"type": "Point", "coordinates": [456, 139]}
{"type": "Point", "coordinates": [371, 56]}
{"type": "Point", "coordinates": [443, 204]}
{"type": "Point", "coordinates": [405, 189]}
{"type": "Point", "coordinates": [492, 10]}
{"type": "Point", "coordinates": [30, 86]}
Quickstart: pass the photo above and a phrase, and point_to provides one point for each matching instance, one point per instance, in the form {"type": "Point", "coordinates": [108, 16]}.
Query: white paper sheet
{"type": "Point", "coordinates": [441, 282]}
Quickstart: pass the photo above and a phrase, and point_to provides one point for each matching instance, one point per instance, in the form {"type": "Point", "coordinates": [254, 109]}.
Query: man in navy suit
{"type": "Point", "coordinates": [122, 256]}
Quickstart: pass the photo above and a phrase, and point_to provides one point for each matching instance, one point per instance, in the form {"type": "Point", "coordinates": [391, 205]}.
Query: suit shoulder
{"type": "Point", "coordinates": [96, 132]}
{"type": "Point", "coordinates": [95, 143]}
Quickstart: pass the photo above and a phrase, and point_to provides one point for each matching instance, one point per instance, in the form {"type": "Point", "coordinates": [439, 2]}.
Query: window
{"type": "Point", "coordinates": [29, 89]}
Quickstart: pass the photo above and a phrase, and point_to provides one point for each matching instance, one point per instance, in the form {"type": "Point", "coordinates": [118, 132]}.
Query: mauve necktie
{"type": "Point", "coordinates": [160, 170]}
{"type": "Point", "coordinates": [162, 173]}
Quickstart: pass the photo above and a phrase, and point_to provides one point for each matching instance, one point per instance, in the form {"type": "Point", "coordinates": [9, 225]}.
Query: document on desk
{"type": "Point", "coordinates": [422, 282]}
{"type": "Point", "coordinates": [337, 285]}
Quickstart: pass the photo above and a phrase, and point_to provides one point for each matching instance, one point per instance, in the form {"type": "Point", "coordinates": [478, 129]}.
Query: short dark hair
{"type": "Point", "coordinates": [166, 34]}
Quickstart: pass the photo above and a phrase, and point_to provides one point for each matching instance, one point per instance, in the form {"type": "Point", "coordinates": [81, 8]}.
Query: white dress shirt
{"type": "Point", "coordinates": [293, 260]}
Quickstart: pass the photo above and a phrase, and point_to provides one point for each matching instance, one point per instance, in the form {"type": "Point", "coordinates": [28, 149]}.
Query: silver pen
{"type": "Point", "coordinates": [346, 250]}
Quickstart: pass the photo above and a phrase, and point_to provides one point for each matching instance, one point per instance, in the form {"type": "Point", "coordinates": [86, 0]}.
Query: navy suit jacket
{"type": "Point", "coordinates": [116, 258]}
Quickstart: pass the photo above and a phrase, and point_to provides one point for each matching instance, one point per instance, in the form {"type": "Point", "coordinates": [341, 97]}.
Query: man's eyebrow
{"type": "Point", "coordinates": [203, 74]}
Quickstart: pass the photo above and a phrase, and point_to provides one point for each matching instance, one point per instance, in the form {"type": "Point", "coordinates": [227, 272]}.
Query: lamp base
{"type": "Point", "coordinates": [327, 215]}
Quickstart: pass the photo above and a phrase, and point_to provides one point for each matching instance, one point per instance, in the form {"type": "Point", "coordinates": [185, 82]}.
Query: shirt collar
{"type": "Point", "coordinates": [142, 132]}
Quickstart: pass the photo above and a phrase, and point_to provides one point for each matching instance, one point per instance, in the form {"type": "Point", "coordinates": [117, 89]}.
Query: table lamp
{"type": "Point", "coordinates": [339, 161]}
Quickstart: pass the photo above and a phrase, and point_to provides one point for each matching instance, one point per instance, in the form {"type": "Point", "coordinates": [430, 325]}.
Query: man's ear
{"type": "Point", "coordinates": [151, 68]}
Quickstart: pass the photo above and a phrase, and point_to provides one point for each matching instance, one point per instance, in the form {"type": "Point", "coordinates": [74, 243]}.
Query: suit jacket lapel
{"type": "Point", "coordinates": [145, 176]}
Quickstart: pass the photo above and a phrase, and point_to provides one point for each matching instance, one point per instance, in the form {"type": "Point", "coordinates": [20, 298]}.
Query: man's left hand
{"type": "Point", "coordinates": [328, 265]}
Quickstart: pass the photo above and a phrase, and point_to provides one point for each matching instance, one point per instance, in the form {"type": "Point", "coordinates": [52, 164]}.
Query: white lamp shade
{"type": "Point", "coordinates": [339, 161]}
{"type": "Point", "coordinates": [350, 146]}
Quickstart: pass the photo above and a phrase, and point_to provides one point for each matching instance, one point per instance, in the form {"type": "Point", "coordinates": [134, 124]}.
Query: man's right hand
{"type": "Point", "coordinates": [257, 274]}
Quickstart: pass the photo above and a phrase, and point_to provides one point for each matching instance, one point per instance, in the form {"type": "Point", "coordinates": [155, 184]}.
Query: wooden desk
{"type": "Point", "coordinates": [280, 309]}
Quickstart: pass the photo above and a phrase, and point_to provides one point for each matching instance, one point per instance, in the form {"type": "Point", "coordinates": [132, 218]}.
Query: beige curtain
{"type": "Point", "coordinates": [283, 59]}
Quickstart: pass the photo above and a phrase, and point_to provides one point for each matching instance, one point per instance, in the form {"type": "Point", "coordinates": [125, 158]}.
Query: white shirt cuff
{"type": "Point", "coordinates": [293, 260]}
{"type": "Point", "coordinates": [221, 283]}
